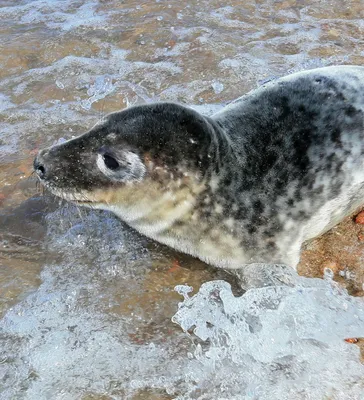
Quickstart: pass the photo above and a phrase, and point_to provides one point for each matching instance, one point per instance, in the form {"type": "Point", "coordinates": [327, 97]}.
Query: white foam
{"type": "Point", "coordinates": [5, 102]}
{"type": "Point", "coordinates": [64, 15]}
{"type": "Point", "coordinates": [278, 342]}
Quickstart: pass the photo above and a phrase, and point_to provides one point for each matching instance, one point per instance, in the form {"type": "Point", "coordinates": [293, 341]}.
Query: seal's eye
{"type": "Point", "coordinates": [110, 162]}
{"type": "Point", "coordinates": [120, 165]}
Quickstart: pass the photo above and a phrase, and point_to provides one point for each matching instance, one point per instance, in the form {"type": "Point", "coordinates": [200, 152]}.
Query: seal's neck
{"type": "Point", "coordinates": [222, 151]}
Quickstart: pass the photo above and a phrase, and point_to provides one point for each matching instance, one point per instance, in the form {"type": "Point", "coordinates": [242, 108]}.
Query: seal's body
{"type": "Point", "coordinates": [250, 184]}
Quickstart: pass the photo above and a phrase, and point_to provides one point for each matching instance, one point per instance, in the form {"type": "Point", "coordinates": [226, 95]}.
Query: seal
{"type": "Point", "coordinates": [250, 184]}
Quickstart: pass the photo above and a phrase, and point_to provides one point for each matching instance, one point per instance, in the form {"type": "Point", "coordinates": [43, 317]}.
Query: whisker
{"type": "Point", "coordinates": [103, 109]}
{"type": "Point", "coordinates": [79, 213]}
{"type": "Point", "coordinates": [21, 180]}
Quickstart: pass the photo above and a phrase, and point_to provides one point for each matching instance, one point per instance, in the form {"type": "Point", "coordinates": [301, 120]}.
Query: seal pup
{"type": "Point", "coordinates": [250, 184]}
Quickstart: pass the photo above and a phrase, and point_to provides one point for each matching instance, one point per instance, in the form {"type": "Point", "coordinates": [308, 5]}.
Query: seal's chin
{"type": "Point", "coordinates": [85, 203]}
{"type": "Point", "coordinates": [80, 198]}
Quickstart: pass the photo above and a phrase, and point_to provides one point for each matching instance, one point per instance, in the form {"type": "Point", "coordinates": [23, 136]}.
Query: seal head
{"type": "Point", "coordinates": [148, 164]}
{"type": "Point", "coordinates": [151, 141]}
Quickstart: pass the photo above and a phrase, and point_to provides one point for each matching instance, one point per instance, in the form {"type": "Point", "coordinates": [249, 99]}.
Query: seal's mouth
{"type": "Point", "coordinates": [83, 202]}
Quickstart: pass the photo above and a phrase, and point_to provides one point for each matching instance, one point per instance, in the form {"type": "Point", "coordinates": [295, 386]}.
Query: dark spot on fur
{"type": "Point", "coordinates": [261, 220]}
{"type": "Point", "coordinates": [258, 207]}
{"type": "Point", "coordinates": [301, 215]}
{"type": "Point", "coordinates": [308, 181]}
{"type": "Point", "coordinates": [285, 108]}
{"type": "Point", "coordinates": [269, 233]}
{"type": "Point", "coordinates": [271, 245]}
{"type": "Point", "coordinates": [298, 195]}
{"type": "Point", "coordinates": [335, 136]}
{"type": "Point", "coordinates": [251, 229]}
{"type": "Point", "coordinates": [350, 111]}
{"type": "Point", "coordinates": [227, 180]}
{"type": "Point", "coordinates": [338, 168]}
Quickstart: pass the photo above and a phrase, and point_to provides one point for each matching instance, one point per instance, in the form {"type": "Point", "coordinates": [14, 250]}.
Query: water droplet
{"type": "Point", "coordinates": [217, 86]}
{"type": "Point", "coordinates": [328, 273]}
{"type": "Point", "coordinates": [60, 84]}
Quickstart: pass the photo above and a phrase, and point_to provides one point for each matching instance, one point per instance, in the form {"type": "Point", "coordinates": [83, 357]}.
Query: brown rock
{"type": "Point", "coordinates": [352, 340]}
{"type": "Point", "coordinates": [359, 219]}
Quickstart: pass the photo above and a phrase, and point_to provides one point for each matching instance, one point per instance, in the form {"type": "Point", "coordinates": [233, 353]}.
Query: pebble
{"type": "Point", "coordinates": [359, 219]}
{"type": "Point", "coordinates": [330, 264]}
{"type": "Point", "coordinates": [361, 236]}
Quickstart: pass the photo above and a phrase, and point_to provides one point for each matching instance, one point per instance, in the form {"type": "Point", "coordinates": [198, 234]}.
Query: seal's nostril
{"type": "Point", "coordinates": [40, 170]}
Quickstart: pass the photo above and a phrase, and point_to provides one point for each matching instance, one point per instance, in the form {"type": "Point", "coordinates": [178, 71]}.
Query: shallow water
{"type": "Point", "coordinates": [86, 303]}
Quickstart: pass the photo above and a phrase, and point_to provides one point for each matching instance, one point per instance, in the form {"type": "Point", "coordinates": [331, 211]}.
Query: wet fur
{"type": "Point", "coordinates": [250, 184]}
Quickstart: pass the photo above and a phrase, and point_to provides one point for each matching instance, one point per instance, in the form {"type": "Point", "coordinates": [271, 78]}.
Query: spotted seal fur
{"type": "Point", "coordinates": [250, 184]}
